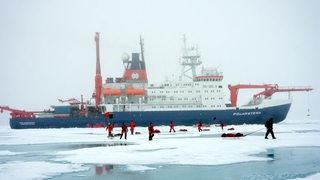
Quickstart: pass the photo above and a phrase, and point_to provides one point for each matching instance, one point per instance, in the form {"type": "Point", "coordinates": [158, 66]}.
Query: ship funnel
{"type": "Point", "coordinates": [135, 68]}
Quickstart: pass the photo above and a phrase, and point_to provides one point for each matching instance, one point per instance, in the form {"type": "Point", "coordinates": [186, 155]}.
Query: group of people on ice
{"type": "Point", "coordinates": [151, 130]}
{"type": "Point", "coordinates": [124, 129]}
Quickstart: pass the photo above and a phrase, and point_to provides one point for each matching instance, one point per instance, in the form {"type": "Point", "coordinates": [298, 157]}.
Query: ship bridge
{"type": "Point", "coordinates": [208, 78]}
{"type": "Point", "coordinates": [209, 74]}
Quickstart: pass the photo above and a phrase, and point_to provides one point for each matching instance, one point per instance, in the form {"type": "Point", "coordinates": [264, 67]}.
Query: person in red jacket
{"type": "Point", "coordinates": [124, 131]}
{"type": "Point", "coordinates": [171, 127]}
{"type": "Point", "coordinates": [151, 131]}
{"type": "Point", "coordinates": [109, 128]}
{"type": "Point", "coordinates": [199, 126]}
{"type": "Point", "coordinates": [132, 125]}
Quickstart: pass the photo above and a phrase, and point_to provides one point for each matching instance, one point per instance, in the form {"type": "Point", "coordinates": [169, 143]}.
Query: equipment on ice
{"type": "Point", "coordinates": [232, 135]}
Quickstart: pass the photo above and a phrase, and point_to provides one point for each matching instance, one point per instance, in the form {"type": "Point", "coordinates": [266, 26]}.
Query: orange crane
{"type": "Point", "coordinates": [269, 90]}
{"type": "Point", "coordinates": [74, 101]}
{"type": "Point", "coordinates": [16, 113]}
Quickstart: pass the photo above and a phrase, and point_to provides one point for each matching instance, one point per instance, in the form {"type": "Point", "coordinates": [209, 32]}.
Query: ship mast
{"type": "Point", "coordinates": [143, 63]}
{"type": "Point", "coordinates": [190, 60]}
{"type": "Point", "coordinates": [98, 77]}
{"type": "Point", "coordinates": [142, 49]}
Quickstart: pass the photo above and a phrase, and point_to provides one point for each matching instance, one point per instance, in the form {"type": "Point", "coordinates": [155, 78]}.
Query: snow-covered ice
{"type": "Point", "coordinates": [36, 169]}
{"type": "Point", "coordinates": [68, 150]}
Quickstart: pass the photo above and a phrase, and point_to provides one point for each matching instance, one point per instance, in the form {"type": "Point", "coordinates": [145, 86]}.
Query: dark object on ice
{"type": "Point", "coordinates": [115, 135]}
{"type": "Point", "coordinates": [269, 126]}
{"type": "Point", "coordinates": [221, 125]}
{"type": "Point", "coordinates": [184, 130]}
{"type": "Point", "coordinates": [232, 135]}
{"type": "Point", "coordinates": [231, 129]}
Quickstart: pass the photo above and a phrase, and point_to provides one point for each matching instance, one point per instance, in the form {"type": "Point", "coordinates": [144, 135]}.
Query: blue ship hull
{"type": "Point", "coordinates": [229, 116]}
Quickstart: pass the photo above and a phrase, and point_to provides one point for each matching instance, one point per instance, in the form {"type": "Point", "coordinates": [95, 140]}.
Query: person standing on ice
{"type": "Point", "coordinates": [109, 128]}
{"type": "Point", "coordinates": [199, 126]}
{"type": "Point", "coordinates": [171, 127]}
{"type": "Point", "coordinates": [132, 125]}
{"type": "Point", "coordinates": [124, 131]}
{"type": "Point", "coordinates": [221, 124]}
{"type": "Point", "coordinates": [151, 131]}
{"type": "Point", "coordinates": [269, 126]}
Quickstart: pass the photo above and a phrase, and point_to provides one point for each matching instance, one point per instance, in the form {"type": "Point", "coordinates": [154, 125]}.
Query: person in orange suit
{"type": "Point", "coordinates": [132, 125]}
{"type": "Point", "coordinates": [109, 128]}
{"type": "Point", "coordinates": [171, 127]}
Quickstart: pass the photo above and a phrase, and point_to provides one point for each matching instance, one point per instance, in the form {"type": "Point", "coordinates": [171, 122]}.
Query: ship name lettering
{"type": "Point", "coordinates": [27, 123]}
{"type": "Point", "coordinates": [246, 113]}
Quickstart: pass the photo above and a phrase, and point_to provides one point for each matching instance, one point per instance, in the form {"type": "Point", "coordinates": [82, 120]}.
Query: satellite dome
{"type": "Point", "coordinates": [125, 57]}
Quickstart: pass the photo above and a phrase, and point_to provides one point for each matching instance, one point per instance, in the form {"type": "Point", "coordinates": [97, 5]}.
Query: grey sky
{"type": "Point", "coordinates": [47, 48]}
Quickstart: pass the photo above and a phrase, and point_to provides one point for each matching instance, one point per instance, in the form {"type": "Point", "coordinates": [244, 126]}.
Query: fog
{"type": "Point", "coordinates": [47, 48]}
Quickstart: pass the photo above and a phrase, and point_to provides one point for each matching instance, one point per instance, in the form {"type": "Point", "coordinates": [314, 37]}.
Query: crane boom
{"type": "Point", "coordinates": [71, 101]}
{"type": "Point", "coordinates": [235, 89]}
{"type": "Point", "coordinates": [16, 113]}
{"type": "Point", "coordinates": [269, 90]}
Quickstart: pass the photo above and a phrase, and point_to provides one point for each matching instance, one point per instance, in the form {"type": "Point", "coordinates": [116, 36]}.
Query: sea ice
{"type": "Point", "coordinates": [92, 146]}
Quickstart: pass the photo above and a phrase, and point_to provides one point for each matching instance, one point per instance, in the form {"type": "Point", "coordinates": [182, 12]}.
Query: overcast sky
{"type": "Point", "coordinates": [47, 48]}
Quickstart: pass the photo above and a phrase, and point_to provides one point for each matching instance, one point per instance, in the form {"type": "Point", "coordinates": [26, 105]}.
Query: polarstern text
{"type": "Point", "coordinates": [27, 123]}
{"type": "Point", "coordinates": [246, 113]}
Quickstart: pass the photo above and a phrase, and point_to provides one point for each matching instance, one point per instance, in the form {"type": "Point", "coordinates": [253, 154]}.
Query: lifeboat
{"type": "Point", "coordinates": [134, 91]}
{"type": "Point", "coordinates": [111, 92]}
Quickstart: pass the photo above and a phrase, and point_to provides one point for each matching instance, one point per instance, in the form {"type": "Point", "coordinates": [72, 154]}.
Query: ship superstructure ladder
{"type": "Point", "coordinates": [190, 60]}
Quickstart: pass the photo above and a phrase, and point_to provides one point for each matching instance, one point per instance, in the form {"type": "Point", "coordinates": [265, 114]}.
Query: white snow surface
{"type": "Point", "coordinates": [188, 148]}
{"type": "Point", "coordinates": [36, 169]}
